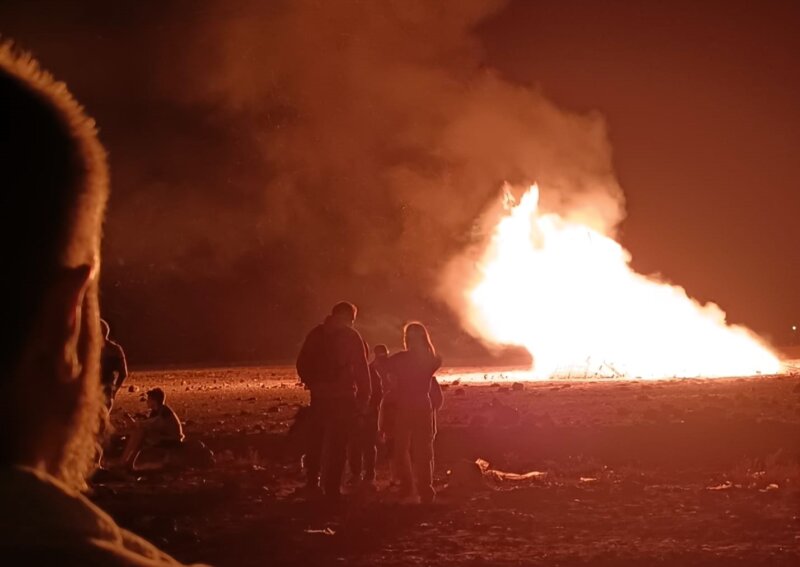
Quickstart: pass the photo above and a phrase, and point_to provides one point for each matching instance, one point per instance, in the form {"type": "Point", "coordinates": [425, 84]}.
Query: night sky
{"type": "Point", "coordinates": [270, 160]}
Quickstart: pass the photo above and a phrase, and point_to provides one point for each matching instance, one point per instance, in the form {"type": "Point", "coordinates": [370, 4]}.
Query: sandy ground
{"type": "Point", "coordinates": [682, 472]}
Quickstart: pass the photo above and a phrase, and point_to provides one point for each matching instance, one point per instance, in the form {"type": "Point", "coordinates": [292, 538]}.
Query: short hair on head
{"type": "Point", "coordinates": [157, 394]}
{"type": "Point", "coordinates": [54, 182]}
{"type": "Point", "coordinates": [344, 309]}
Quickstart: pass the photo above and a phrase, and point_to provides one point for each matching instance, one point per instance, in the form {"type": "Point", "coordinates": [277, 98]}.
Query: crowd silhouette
{"type": "Point", "coordinates": [353, 401]}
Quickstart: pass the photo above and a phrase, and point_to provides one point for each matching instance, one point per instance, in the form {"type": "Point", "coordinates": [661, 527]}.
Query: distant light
{"type": "Point", "coordinates": [794, 327]}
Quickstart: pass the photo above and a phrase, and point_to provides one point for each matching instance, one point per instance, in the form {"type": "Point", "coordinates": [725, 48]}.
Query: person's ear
{"type": "Point", "coordinates": [66, 320]}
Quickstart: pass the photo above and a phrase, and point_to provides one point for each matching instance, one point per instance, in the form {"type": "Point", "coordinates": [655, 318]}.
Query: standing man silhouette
{"type": "Point", "coordinates": [333, 365]}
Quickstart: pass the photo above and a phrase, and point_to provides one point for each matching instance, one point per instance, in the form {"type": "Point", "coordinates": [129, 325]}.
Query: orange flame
{"type": "Point", "coordinates": [567, 294]}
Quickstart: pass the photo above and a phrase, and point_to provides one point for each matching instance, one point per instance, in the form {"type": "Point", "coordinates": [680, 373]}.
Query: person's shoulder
{"type": "Point", "coordinates": [397, 359]}
{"type": "Point", "coordinates": [316, 330]}
{"type": "Point", "coordinates": [168, 411]}
{"type": "Point", "coordinates": [91, 553]}
{"type": "Point", "coordinates": [353, 335]}
{"type": "Point", "coordinates": [116, 347]}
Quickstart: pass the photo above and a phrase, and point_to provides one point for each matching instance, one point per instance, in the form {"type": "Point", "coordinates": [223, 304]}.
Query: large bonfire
{"type": "Point", "coordinates": [567, 293]}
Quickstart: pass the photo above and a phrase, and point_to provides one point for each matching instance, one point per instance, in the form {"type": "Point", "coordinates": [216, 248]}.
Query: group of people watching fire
{"type": "Point", "coordinates": [354, 404]}
{"type": "Point", "coordinates": [59, 371]}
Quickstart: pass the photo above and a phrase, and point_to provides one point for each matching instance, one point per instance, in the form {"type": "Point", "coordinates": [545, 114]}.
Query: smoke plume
{"type": "Point", "coordinates": [271, 158]}
{"type": "Point", "coordinates": [384, 135]}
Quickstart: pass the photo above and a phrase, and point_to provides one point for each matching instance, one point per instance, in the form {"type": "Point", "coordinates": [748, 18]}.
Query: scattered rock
{"type": "Point", "coordinates": [460, 392]}
{"type": "Point", "coordinates": [133, 389]}
{"type": "Point", "coordinates": [517, 386]}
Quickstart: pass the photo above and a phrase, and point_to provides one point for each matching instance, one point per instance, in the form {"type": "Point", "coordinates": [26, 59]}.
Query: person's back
{"type": "Point", "coordinates": [411, 373]}
{"type": "Point", "coordinates": [332, 364]}
{"type": "Point", "coordinates": [412, 377]}
{"type": "Point", "coordinates": [54, 188]}
{"type": "Point", "coordinates": [165, 426]}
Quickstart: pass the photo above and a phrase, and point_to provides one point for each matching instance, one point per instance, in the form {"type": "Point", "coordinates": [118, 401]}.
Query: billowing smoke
{"type": "Point", "coordinates": [385, 135]}
{"type": "Point", "coordinates": [269, 158]}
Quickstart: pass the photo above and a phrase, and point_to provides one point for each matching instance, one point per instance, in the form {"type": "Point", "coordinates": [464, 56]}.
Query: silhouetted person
{"type": "Point", "coordinates": [364, 441]}
{"type": "Point", "coordinates": [333, 365]}
{"type": "Point", "coordinates": [113, 366]}
{"type": "Point", "coordinates": [411, 373]}
{"type": "Point", "coordinates": [155, 440]}
{"type": "Point", "coordinates": [54, 187]}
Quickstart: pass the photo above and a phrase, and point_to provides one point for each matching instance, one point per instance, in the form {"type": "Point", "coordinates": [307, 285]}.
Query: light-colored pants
{"type": "Point", "coordinates": [413, 451]}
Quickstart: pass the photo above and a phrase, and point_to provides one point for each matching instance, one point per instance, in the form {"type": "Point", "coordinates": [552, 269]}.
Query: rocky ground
{"type": "Point", "coordinates": [679, 472]}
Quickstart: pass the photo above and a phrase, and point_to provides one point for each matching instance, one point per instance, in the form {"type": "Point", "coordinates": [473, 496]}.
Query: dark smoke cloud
{"type": "Point", "coordinates": [270, 158]}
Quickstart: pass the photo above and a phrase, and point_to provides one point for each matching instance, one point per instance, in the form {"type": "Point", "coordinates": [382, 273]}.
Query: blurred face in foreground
{"type": "Point", "coordinates": [54, 187]}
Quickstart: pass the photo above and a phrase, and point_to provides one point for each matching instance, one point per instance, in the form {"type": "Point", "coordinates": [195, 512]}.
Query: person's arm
{"type": "Point", "coordinates": [437, 363]}
{"type": "Point", "coordinates": [437, 399]}
{"type": "Point", "coordinates": [377, 387]}
{"type": "Point", "coordinates": [305, 360]}
{"type": "Point", "coordinates": [121, 368]}
{"type": "Point", "coordinates": [360, 368]}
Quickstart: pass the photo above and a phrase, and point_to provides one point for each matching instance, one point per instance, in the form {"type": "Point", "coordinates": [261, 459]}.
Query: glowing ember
{"type": "Point", "coordinates": [566, 293]}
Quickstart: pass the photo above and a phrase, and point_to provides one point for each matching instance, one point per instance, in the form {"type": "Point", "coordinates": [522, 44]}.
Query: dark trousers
{"type": "Point", "coordinates": [413, 452]}
{"type": "Point", "coordinates": [364, 447]}
{"type": "Point", "coordinates": [331, 423]}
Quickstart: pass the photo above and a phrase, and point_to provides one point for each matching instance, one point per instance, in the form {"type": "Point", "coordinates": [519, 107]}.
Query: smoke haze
{"type": "Point", "coordinates": [269, 159]}
{"type": "Point", "coordinates": [384, 136]}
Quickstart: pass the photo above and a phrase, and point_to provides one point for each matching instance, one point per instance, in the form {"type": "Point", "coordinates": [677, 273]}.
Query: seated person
{"type": "Point", "coordinates": [154, 439]}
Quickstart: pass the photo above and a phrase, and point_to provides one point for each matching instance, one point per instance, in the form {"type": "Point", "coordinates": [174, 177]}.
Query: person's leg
{"type": "Point", "coordinates": [354, 453]}
{"type": "Point", "coordinates": [370, 446]}
{"type": "Point", "coordinates": [401, 453]}
{"type": "Point", "coordinates": [150, 459]}
{"type": "Point", "coordinates": [312, 459]}
{"type": "Point", "coordinates": [133, 446]}
{"type": "Point", "coordinates": [338, 432]}
{"type": "Point", "coordinates": [422, 456]}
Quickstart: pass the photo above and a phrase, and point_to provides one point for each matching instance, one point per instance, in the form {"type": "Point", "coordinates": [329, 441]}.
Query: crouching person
{"type": "Point", "coordinates": [156, 441]}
